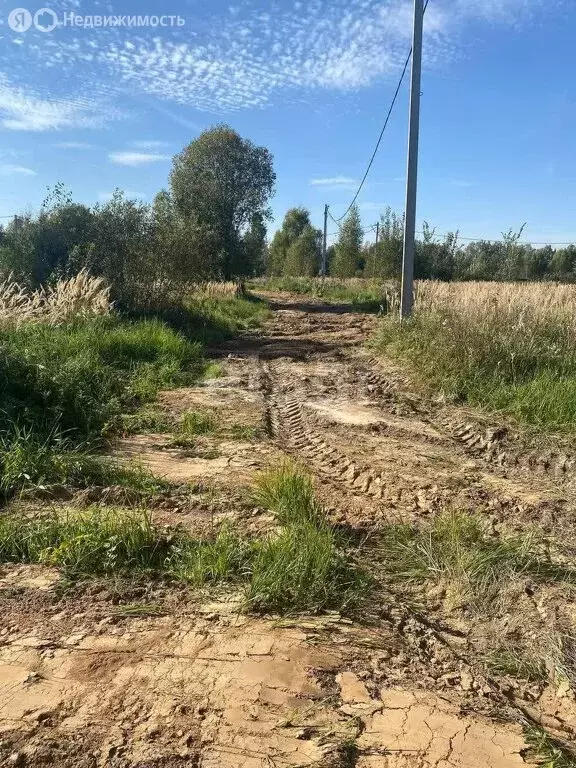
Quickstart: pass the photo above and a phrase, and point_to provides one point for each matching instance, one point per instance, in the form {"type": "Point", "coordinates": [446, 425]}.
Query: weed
{"type": "Point", "coordinates": [302, 569]}
{"type": "Point", "coordinates": [145, 420]}
{"type": "Point", "coordinates": [455, 550]}
{"type": "Point", "coordinates": [517, 664]}
{"type": "Point", "coordinates": [93, 542]}
{"type": "Point", "coordinates": [227, 557]}
{"type": "Point", "coordinates": [504, 346]}
{"type": "Point", "coordinates": [548, 752]}
{"type": "Point", "coordinates": [28, 460]}
{"type": "Point", "coordinates": [289, 493]}
{"type": "Point", "coordinates": [195, 423]}
{"type": "Point", "coordinates": [244, 432]}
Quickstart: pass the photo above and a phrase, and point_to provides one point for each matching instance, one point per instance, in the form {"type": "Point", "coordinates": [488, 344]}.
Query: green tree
{"type": "Point", "coordinates": [349, 246]}
{"type": "Point", "coordinates": [255, 248]}
{"type": "Point", "coordinates": [295, 222]}
{"type": "Point", "coordinates": [303, 256]}
{"type": "Point", "coordinates": [220, 181]}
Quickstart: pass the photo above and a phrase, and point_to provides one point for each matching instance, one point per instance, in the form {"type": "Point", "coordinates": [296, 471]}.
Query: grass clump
{"type": "Point", "coordinates": [303, 569]}
{"type": "Point", "coordinates": [456, 551]}
{"type": "Point", "coordinates": [289, 493]}
{"type": "Point", "coordinates": [194, 423]}
{"type": "Point", "coordinates": [503, 346]}
{"type": "Point", "coordinates": [31, 460]}
{"type": "Point", "coordinates": [91, 543]}
{"type": "Point", "coordinates": [515, 663]}
{"type": "Point", "coordinates": [225, 558]}
{"type": "Point", "coordinates": [548, 752]}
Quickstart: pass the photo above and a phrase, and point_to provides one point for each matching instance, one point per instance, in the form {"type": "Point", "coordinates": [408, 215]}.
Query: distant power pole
{"type": "Point", "coordinates": [323, 267]}
{"type": "Point", "coordinates": [407, 297]}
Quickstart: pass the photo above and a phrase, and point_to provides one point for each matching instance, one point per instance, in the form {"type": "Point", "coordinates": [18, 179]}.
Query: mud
{"type": "Point", "coordinates": [200, 684]}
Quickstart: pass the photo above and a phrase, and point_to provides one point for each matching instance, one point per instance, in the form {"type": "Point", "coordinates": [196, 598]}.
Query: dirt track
{"type": "Point", "coordinates": [86, 685]}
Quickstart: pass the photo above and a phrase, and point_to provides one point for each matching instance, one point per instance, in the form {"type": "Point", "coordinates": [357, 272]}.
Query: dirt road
{"type": "Point", "coordinates": [152, 675]}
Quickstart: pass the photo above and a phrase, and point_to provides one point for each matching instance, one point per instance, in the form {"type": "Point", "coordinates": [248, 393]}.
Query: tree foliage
{"type": "Point", "coordinates": [219, 182]}
{"type": "Point", "coordinates": [347, 260]}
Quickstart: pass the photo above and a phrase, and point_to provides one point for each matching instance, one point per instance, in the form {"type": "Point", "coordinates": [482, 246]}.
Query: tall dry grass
{"type": "Point", "coordinates": [506, 346]}
{"type": "Point", "coordinates": [77, 297]}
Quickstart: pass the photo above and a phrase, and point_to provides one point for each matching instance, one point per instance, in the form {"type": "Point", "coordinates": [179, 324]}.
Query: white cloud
{"type": "Point", "coordinates": [136, 158]}
{"type": "Point", "coordinates": [149, 144]}
{"type": "Point", "coordinates": [10, 170]}
{"type": "Point", "coordinates": [74, 145]}
{"type": "Point", "coordinates": [247, 58]}
{"type": "Point", "coordinates": [24, 110]}
{"type": "Point", "coordinates": [334, 181]}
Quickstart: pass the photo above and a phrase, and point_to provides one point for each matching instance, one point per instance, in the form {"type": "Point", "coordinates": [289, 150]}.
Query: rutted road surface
{"type": "Point", "coordinates": [84, 684]}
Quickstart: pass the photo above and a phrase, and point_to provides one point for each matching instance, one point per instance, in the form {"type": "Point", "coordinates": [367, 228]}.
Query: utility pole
{"type": "Point", "coordinates": [407, 297]}
{"type": "Point", "coordinates": [375, 249]}
{"type": "Point", "coordinates": [323, 267]}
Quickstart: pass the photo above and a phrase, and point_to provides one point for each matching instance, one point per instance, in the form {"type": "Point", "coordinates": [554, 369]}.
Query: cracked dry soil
{"type": "Point", "coordinates": [197, 683]}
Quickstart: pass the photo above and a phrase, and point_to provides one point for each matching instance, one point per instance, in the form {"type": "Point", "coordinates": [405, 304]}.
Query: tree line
{"type": "Point", "coordinates": [210, 223]}
{"type": "Point", "coordinates": [294, 251]}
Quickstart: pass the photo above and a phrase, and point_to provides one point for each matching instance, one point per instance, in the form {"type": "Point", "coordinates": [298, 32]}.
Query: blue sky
{"type": "Point", "coordinates": [312, 80]}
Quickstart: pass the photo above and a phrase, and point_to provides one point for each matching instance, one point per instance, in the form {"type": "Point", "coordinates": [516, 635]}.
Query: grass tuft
{"type": "Point", "coordinates": [302, 569]}
{"type": "Point", "coordinates": [88, 543]}
{"type": "Point", "coordinates": [549, 752]}
{"type": "Point", "coordinates": [289, 493]}
{"type": "Point", "coordinates": [196, 423]}
{"type": "Point", "coordinates": [456, 551]}
{"type": "Point", "coordinates": [225, 558]}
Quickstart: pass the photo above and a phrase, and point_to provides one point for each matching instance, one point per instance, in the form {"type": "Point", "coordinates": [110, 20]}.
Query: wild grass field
{"type": "Point", "coordinates": [70, 366]}
{"type": "Point", "coordinates": [507, 347]}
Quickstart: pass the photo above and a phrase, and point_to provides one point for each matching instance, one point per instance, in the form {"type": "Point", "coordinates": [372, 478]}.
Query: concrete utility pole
{"type": "Point", "coordinates": [323, 267]}
{"type": "Point", "coordinates": [407, 297]}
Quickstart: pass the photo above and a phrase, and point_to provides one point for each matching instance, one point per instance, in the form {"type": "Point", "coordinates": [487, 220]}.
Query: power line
{"type": "Point", "coordinates": [376, 148]}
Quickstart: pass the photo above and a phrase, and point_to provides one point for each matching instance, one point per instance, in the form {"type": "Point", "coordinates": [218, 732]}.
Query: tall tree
{"type": "Point", "coordinates": [303, 256]}
{"type": "Point", "coordinates": [255, 249]}
{"type": "Point", "coordinates": [295, 222]}
{"type": "Point", "coordinates": [221, 181]}
{"type": "Point", "coordinates": [349, 246]}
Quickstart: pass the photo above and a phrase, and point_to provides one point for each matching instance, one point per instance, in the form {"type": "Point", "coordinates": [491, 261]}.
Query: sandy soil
{"type": "Point", "coordinates": [190, 681]}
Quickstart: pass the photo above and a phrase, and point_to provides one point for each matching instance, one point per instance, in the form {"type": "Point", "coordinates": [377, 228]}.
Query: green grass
{"type": "Point", "coordinates": [227, 557]}
{"type": "Point", "coordinates": [303, 570]}
{"type": "Point", "coordinates": [289, 493]}
{"type": "Point", "coordinates": [30, 460]}
{"type": "Point", "coordinates": [523, 367]}
{"type": "Point", "coordinates": [516, 663]}
{"type": "Point", "coordinates": [363, 293]}
{"type": "Point", "coordinates": [304, 567]}
{"type": "Point", "coordinates": [194, 423]}
{"type": "Point", "coordinates": [66, 389]}
{"type": "Point", "coordinates": [549, 752]}
{"type": "Point", "coordinates": [455, 550]}
{"type": "Point", "coordinates": [145, 420]}
{"type": "Point", "coordinates": [90, 543]}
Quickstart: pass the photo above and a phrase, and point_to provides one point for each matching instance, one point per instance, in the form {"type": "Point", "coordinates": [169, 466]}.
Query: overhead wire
{"type": "Point", "coordinates": [386, 121]}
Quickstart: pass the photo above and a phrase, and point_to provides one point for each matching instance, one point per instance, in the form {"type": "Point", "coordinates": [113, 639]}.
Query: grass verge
{"type": "Point", "coordinates": [66, 389]}
{"type": "Point", "coordinates": [456, 552]}
{"type": "Point", "coordinates": [510, 348]}
{"type": "Point", "coordinates": [301, 568]}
